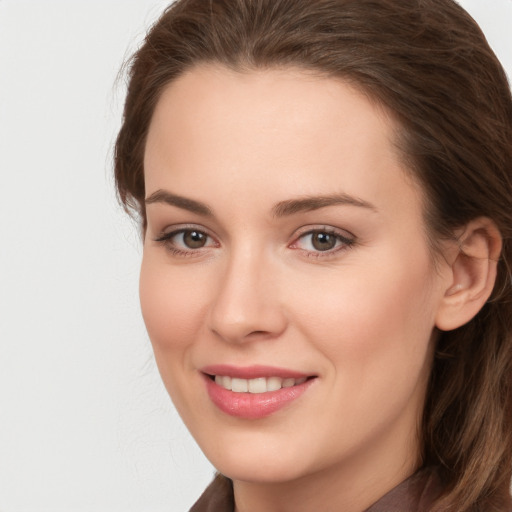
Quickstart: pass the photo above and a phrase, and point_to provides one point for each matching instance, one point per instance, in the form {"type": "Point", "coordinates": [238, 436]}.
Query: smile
{"type": "Point", "coordinates": [254, 392]}
{"type": "Point", "coordinates": [258, 385]}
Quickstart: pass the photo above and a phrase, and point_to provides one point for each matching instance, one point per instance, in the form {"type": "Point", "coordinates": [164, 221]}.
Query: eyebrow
{"type": "Point", "coordinates": [281, 209]}
{"type": "Point", "coordinates": [162, 196]}
{"type": "Point", "coordinates": [310, 203]}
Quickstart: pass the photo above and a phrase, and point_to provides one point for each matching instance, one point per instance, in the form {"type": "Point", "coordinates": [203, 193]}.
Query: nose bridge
{"type": "Point", "coordinates": [247, 301]}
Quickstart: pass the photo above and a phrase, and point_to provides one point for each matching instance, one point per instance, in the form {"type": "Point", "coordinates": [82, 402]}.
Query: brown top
{"type": "Point", "coordinates": [417, 493]}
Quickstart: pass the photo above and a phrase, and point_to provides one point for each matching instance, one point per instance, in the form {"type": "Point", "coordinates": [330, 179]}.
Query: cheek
{"type": "Point", "coordinates": [377, 316]}
{"type": "Point", "coordinates": [171, 305]}
{"type": "Point", "coordinates": [374, 331]}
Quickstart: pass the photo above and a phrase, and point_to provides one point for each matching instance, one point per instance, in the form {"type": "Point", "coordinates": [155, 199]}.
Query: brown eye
{"type": "Point", "coordinates": [186, 241]}
{"type": "Point", "coordinates": [318, 241]}
{"type": "Point", "coordinates": [323, 241]}
{"type": "Point", "coordinates": [194, 239]}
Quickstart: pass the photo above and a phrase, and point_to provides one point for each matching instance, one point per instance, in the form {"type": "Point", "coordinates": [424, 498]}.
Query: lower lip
{"type": "Point", "coordinates": [253, 405]}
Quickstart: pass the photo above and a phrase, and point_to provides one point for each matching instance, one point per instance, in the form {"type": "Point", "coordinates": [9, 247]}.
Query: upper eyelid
{"type": "Point", "coordinates": [178, 228]}
{"type": "Point", "coordinates": [305, 230]}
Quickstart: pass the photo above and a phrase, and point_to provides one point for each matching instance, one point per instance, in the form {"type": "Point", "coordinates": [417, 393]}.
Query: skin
{"type": "Point", "coordinates": [359, 317]}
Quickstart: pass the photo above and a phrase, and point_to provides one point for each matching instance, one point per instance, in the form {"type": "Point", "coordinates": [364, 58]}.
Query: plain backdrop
{"type": "Point", "coordinates": [85, 424]}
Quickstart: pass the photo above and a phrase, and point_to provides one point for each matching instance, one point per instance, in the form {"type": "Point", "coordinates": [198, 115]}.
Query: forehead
{"type": "Point", "coordinates": [281, 100]}
{"type": "Point", "coordinates": [284, 127]}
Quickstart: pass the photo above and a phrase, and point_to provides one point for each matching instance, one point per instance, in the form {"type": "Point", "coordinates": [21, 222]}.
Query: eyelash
{"type": "Point", "coordinates": [343, 242]}
{"type": "Point", "coordinates": [166, 239]}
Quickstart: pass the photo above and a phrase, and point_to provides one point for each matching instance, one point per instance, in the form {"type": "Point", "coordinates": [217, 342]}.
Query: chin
{"type": "Point", "coordinates": [258, 460]}
{"type": "Point", "coordinates": [274, 470]}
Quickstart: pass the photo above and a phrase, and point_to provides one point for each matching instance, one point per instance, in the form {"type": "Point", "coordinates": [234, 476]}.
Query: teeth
{"type": "Point", "coordinates": [274, 383]}
{"type": "Point", "coordinates": [259, 385]}
{"type": "Point", "coordinates": [225, 381]}
{"type": "Point", "coordinates": [239, 385]}
{"type": "Point", "coordinates": [288, 383]}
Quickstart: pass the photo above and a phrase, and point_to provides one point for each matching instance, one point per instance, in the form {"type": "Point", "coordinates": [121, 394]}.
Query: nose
{"type": "Point", "coordinates": [247, 302]}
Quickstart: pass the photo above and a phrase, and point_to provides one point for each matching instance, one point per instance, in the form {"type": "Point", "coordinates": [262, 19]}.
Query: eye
{"type": "Point", "coordinates": [185, 241]}
{"type": "Point", "coordinates": [192, 239]}
{"type": "Point", "coordinates": [322, 241]}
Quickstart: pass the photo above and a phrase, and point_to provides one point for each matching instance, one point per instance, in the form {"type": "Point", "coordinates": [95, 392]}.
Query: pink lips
{"type": "Point", "coordinates": [252, 405]}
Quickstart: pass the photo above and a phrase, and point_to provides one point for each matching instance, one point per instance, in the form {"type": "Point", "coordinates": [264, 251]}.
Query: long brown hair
{"type": "Point", "coordinates": [429, 64]}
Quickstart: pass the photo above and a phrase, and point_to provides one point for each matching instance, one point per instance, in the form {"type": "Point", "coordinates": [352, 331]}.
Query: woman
{"type": "Point", "coordinates": [324, 190]}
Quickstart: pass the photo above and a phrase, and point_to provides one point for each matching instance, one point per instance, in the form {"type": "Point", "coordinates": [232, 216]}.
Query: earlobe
{"type": "Point", "coordinates": [472, 274]}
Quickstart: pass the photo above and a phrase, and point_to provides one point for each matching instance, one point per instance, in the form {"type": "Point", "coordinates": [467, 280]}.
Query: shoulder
{"type": "Point", "coordinates": [218, 497]}
{"type": "Point", "coordinates": [417, 493]}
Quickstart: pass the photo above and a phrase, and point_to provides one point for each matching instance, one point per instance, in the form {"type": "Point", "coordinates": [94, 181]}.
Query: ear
{"type": "Point", "coordinates": [472, 274]}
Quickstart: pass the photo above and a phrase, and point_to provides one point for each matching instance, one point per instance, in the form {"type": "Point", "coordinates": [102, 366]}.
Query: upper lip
{"type": "Point", "coordinates": [252, 372]}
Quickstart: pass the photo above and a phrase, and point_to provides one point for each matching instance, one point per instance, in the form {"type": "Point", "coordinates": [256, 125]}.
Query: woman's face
{"type": "Point", "coordinates": [286, 254]}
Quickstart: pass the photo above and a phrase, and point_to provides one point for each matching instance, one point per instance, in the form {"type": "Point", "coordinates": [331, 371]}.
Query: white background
{"type": "Point", "coordinates": [85, 424]}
